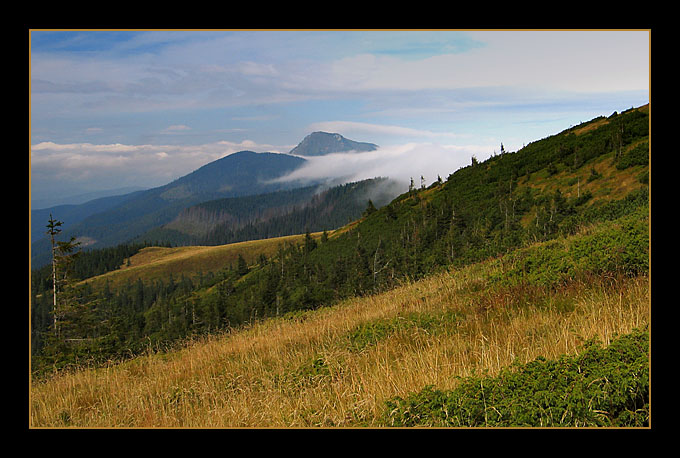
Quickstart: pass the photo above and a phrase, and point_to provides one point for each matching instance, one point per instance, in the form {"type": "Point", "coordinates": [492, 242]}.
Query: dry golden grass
{"type": "Point", "coordinates": [256, 377]}
{"type": "Point", "coordinates": [591, 126]}
{"type": "Point", "coordinates": [160, 262]}
{"type": "Point", "coordinates": [602, 122]}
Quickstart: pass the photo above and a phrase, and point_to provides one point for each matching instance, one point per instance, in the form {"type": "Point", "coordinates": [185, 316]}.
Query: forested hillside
{"type": "Point", "coordinates": [311, 208]}
{"type": "Point", "coordinates": [552, 188]}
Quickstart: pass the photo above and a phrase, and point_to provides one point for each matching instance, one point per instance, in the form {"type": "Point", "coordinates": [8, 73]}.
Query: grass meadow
{"type": "Point", "coordinates": [338, 366]}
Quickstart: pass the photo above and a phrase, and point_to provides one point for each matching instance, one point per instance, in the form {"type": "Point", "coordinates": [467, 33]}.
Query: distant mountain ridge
{"type": "Point", "coordinates": [124, 218]}
{"type": "Point", "coordinates": [74, 213]}
{"type": "Point", "coordinates": [322, 143]}
{"type": "Point", "coordinates": [238, 174]}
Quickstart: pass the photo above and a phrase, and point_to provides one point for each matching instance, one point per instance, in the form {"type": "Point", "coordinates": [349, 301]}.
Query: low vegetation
{"type": "Point", "coordinates": [598, 387]}
{"type": "Point", "coordinates": [398, 358]}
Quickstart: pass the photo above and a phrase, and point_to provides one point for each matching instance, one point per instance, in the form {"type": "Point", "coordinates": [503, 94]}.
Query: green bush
{"type": "Point", "coordinates": [620, 248]}
{"type": "Point", "coordinates": [615, 247]}
{"type": "Point", "coordinates": [607, 387]}
{"type": "Point", "coordinates": [638, 155]}
{"type": "Point", "coordinates": [372, 332]}
{"type": "Point", "coordinates": [309, 373]}
{"type": "Point", "coordinates": [643, 177]}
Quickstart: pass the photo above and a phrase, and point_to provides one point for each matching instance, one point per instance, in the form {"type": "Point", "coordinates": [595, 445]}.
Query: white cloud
{"type": "Point", "coordinates": [583, 61]}
{"type": "Point", "coordinates": [257, 69]}
{"type": "Point", "coordinates": [401, 163]}
{"type": "Point", "coordinates": [115, 165]}
{"type": "Point", "coordinates": [102, 166]}
{"type": "Point", "coordinates": [110, 148]}
{"type": "Point", "coordinates": [440, 93]}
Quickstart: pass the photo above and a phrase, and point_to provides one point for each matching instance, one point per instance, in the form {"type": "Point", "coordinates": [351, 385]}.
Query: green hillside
{"type": "Point", "coordinates": [550, 188]}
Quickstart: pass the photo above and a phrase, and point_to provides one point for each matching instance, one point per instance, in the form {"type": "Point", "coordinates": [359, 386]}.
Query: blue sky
{"type": "Point", "coordinates": [141, 108]}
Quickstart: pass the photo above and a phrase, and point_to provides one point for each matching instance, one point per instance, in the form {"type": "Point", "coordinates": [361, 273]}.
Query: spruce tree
{"type": "Point", "coordinates": [63, 255]}
{"type": "Point", "coordinates": [370, 208]}
{"type": "Point", "coordinates": [241, 266]}
{"type": "Point", "coordinates": [52, 230]}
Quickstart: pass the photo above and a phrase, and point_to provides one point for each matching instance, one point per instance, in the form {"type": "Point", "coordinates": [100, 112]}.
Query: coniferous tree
{"type": "Point", "coordinates": [370, 208]}
{"type": "Point", "coordinates": [479, 212]}
{"type": "Point", "coordinates": [310, 243]}
{"type": "Point", "coordinates": [63, 256]}
{"type": "Point", "coordinates": [242, 266]}
{"type": "Point", "coordinates": [53, 230]}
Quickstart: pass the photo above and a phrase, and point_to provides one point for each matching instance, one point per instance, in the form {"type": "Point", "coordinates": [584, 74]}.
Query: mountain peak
{"type": "Point", "coordinates": [322, 143]}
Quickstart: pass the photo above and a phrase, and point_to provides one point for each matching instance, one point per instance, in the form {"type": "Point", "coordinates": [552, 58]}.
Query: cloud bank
{"type": "Point", "coordinates": [400, 163]}
{"type": "Point", "coordinates": [74, 167]}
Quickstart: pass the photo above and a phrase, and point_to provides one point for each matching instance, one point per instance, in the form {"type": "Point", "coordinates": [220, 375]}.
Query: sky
{"type": "Point", "coordinates": [114, 109]}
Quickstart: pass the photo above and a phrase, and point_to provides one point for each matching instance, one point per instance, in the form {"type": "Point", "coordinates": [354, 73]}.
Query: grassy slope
{"type": "Point", "coordinates": [338, 366]}
{"type": "Point", "coordinates": [613, 184]}
{"type": "Point", "coordinates": [158, 262]}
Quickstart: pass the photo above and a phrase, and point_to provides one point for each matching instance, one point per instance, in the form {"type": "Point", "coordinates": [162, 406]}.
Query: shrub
{"type": "Point", "coordinates": [614, 247]}
{"type": "Point", "coordinates": [600, 387]}
{"type": "Point", "coordinates": [310, 373]}
{"type": "Point", "coordinates": [619, 248]}
{"type": "Point", "coordinates": [638, 155]}
{"type": "Point", "coordinates": [372, 332]}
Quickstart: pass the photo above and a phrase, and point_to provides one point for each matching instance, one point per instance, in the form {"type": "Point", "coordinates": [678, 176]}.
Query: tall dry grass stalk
{"type": "Point", "coordinates": [260, 376]}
